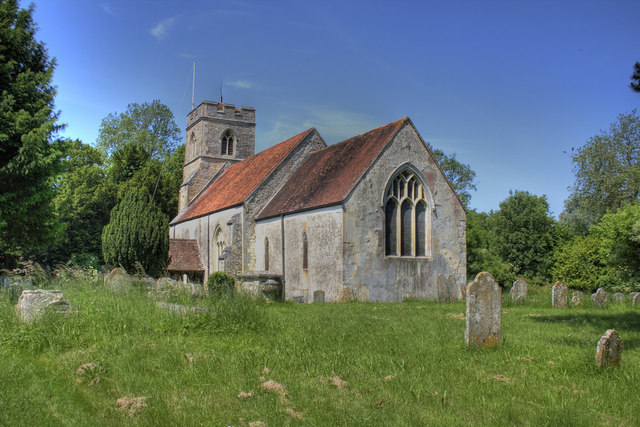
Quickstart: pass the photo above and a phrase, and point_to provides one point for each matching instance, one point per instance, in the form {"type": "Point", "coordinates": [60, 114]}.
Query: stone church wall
{"type": "Point", "coordinates": [323, 228]}
{"type": "Point", "coordinates": [203, 229]}
{"type": "Point", "coordinates": [366, 268]}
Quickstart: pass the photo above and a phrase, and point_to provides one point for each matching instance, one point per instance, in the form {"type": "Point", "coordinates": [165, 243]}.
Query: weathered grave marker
{"type": "Point", "coordinates": [484, 312]}
{"type": "Point", "coordinates": [576, 298]}
{"type": "Point", "coordinates": [609, 350]}
{"type": "Point", "coordinates": [636, 299]}
{"type": "Point", "coordinates": [632, 295]}
{"type": "Point", "coordinates": [318, 296]}
{"type": "Point", "coordinates": [559, 295]}
{"type": "Point", "coordinates": [618, 297]}
{"type": "Point", "coordinates": [600, 298]}
{"type": "Point", "coordinates": [34, 302]}
{"type": "Point", "coordinates": [519, 291]}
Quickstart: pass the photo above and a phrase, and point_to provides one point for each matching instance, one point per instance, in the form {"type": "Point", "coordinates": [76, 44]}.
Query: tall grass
{"type": "Point", "coordinates": [405, 364]}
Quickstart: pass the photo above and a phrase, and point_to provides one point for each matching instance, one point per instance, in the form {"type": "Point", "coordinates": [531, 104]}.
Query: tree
{"type": "Point", "coordinates": [137, 233]}
{"type": "Point", "coordinates": [148, 126]}
{"type": "Point", "coordinates": [83, 201]}
{"type": "Point", "coordinates": [607, 170]}
{"type": "Point", "coordinates": [522, 234]}
{"type": "Point", "coordinates": [635, 78]}
{"type": "Point", "coordinates": [461, 177]}
{"type": "Point", "coordinates": [481, 255]}
{"type": "Point", "coordinates": [29, 155]}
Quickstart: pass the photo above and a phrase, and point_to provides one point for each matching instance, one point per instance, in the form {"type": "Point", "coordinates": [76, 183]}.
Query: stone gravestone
{"type": "Point", "coordinates": [484, 312]}
{"type": "Point", "coordinates": [636, 299]}
{"type": "Point", "coordinates": [34, 302]}
{"type": "Point", "coordinates": [618, 297]}
{"type": "Point", "coordinates": [117, 280]}
{"type": "Point", "coordinates": [519, 291]}
{"type": "Point", "coordinates": [559, 295]}
{"type": "Point", "coordinates": [632, 295]}
{"type": "Point", "coordinates": [318, 296]}
{"type": "Point", "coordinates": [609, 350]}
{"type": "Point", "coordinates": [600, 298]}
{"type": "Point", "coordinates": [576, 298]}
{"type": "Point", "coordinates": [446, 288]}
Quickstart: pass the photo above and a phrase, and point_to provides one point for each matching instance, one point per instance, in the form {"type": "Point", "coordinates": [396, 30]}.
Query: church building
{"type": "Point", "coordinates": [371, 218]}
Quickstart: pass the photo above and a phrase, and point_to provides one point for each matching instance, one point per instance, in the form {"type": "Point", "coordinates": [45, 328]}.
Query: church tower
{"type": "Point", "coordinates": [217, 134]}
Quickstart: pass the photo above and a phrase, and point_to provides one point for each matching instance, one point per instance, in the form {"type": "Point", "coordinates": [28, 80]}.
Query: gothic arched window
{"type": "Point", "coordinates": [406, 220]}
{"type": "Point", "coordinates": [227, 143]}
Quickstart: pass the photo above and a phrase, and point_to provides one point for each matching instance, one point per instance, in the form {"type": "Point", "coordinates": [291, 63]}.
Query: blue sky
{"type": "Point", "coordinates": [509, 86]}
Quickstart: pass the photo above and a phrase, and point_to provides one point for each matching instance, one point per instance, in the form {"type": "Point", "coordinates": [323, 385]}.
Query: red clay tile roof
{"type": "Point", "coordinates": [185, 255]}
{"type": "Point", "coordinates": [239, 180]}
{"type": "Point", "coordinates": [328, 175]}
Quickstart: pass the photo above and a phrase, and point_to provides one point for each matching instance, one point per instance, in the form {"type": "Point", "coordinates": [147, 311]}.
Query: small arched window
{"type": "Point", "coordinates": [266, 254]}
{"type": "Point", "coordinates": [218, 249]}
{"type": "Point", "coordinates": [227, 143]}
{"type": "Point", "coordinates": [305, 252]}
{"type": "Point", "coordinates": [407, 223]}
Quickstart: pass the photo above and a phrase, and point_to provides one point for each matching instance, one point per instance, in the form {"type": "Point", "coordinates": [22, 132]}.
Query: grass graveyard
{"type": "Point", "coordinates": [118, 358]}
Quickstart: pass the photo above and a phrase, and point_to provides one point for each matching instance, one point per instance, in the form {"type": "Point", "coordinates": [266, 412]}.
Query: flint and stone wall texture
{"type": "Point", "coordinates": [204, 230]}
{"type": "Point", "coordinates": [366, 268]}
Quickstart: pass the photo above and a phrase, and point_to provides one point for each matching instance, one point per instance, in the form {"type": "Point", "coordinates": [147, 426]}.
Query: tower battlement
{"type": "Point", "coordinates": [221, 111]}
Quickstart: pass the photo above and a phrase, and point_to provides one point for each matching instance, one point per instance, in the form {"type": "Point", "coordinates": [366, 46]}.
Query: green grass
{"type": "Point", "coordinates": [192, 368]}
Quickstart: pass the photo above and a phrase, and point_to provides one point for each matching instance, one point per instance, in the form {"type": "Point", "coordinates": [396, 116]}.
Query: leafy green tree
{"type": "Point", "coordinates": [137, 233]}
{"type": "Point", "coordinates": [635, 78]}
{"type": "Point", "coordinates": [461, 176]}
{"type": "Point", "coordinates": [29, 155]}
{"type": "Point", "coordinates": [607, 170]}
{"type": "Point", "coordinates": [481, 254]}
{"type": "Point", "coordinates": [150, 127]}
{"type": "Point", "coordinates": [522, 234]}
{"type": "Point", "coordinates": [608, 256]}
{"type": "Point", "coordinates": [83, 201]}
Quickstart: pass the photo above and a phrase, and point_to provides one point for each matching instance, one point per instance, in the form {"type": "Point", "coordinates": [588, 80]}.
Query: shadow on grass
{"type": "Point", "coordinates": [622, 322]}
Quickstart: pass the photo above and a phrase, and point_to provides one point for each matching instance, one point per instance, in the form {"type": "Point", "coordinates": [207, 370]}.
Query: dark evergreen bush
{"type": "Point", "coordinates": [137, 232]}
{"type": "Point", "coordinates": [220, 284]}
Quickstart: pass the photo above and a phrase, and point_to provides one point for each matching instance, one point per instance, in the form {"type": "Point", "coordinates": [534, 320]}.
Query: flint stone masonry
{"type": "Point", "coordinates": [559, 295]}
{"type": "Point", "coordinates": [609, 350]}
{"type": "Point", "coordinates": [33, 304]}
{"type": "Point", "coordinates": [519, 291]}
{"type": "Point", "coordinates": [576, 298]}
{"type": "Point", "coordinates": [618, 297]}
{"type": "Point", "coordinates": [636, 299]}
{"type": "Point", "coordinates": [483, 319]}
{"type": "Point", "coordinates": [600, 298]}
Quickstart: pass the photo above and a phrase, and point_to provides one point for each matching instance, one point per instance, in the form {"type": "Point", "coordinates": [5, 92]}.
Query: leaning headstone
{"type": "Point", "coordinates": [117, 280]}
{"type": "Point", "coordinates": [600, 298]}
{"type": "Point", "coordinates": [559, 295]}
{"type": "Point", "coordinates": [34, 302]}
{"type": "Point", "coordinates": [636, 299]}
{"type": "Point", "coordinates": [618, 297]}
{"type": "Point", "coordinates": [576, 298]}
{"type": "Point", "coordinates": [609, 350]}
{"type": "Point", "coordinates": [519, 291]}
{"type": "Point", "coordinates": [483, 316]}
{"type": "Point", "coordinates": [632, 295]}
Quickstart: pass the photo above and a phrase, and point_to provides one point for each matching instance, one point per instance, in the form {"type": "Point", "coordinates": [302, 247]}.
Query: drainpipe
{"type": "Point", "coordinates": [208, 248]}
{"type": "Point", "coordinates": [283, 264]}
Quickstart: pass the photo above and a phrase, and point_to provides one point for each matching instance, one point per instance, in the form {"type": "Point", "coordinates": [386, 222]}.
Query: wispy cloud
{"type": "Point", "coordinates": [161, 30]}
{"type": "Point", "coordinates": [241, 84]}
{"type": "Point", "coordinates": [108, 8]}
{"type": "Point", "coordinates": [334, 125]}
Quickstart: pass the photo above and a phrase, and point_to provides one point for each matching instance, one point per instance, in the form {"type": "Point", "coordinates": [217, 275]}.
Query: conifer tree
{"type": "Point", "coordinates": [29, 156]}
{"type": "Point", "coordinates": [137, 232]}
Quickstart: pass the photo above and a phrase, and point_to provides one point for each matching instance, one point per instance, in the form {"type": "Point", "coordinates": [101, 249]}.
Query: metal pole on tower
{"type": "Point", "coordinates": [193, 85]}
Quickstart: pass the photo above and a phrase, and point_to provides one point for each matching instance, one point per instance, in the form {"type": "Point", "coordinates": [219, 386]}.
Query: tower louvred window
{"type": "Point", "coordinates": [407, 221]}
{"type": "Point", "coordinates": [227, 143]}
